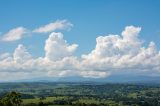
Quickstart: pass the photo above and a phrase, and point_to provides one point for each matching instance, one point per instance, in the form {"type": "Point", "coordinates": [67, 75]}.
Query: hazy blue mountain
{"type": "Point", "coordinates": [110, 79]}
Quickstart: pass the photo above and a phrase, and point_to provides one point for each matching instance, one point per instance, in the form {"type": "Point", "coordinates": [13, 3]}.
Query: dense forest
{"type": "Point", "coordinates": [78, 94]}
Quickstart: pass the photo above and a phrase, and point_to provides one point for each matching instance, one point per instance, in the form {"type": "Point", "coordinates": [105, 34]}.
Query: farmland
{"type": "Point", "coordinates": [84, 94]}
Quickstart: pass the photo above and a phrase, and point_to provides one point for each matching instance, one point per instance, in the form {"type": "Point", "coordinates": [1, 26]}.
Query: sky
{"type": "Point", "coordinates": [90, 39]}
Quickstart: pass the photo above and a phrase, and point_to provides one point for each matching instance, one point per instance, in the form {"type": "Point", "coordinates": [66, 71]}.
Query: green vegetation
{"type": "Point", "coordinates": [11, 99]}
{"type": "Point", "coordinates": [78, 94]}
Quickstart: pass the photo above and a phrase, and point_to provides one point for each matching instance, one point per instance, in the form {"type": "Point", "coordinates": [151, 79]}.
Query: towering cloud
{"type": "Point", "coordinates": [56, 48]}
{"type": "Point", "coordinates": [21, 55]}
{"type": "Point", "coordinates": [116, 53]}
{"type": "Point", "coordinates": [112, 54]}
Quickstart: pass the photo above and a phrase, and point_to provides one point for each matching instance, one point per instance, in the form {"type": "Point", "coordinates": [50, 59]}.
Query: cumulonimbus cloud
{"type": "Point", "coordinates": [112, 54]}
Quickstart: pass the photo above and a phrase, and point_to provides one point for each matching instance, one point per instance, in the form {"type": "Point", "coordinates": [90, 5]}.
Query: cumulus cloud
{"type": "Point", "coordinates": [126, 52]}
{"type": "Point", "coordinates": [112, 54]}
{"type": "Point", "coordinates": [56, 47]}
{"type": "Point", "coordinates": [58, 60]}
{"type": "Point", "coordinates": [14, 34]}
{"type": "Point", "coordinates": [94, 74]}
{"type": "Point", "coordinates": [4, 55]}
{"type": "Point", "coordinates": [21, 55]}
{"type": "Point", "coordinates": [59, 24]}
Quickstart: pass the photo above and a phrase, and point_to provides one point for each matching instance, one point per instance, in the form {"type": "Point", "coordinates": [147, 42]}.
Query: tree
{"type": "Point", "coordinates": [42, 98]}
{"type": "Point", "coordinates": [12, 99]}
{"type": "Point", "coordinates": [41, 104]}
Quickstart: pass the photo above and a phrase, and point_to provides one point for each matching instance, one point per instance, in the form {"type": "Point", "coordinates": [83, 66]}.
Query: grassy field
{"type": "Point", "coordinates": [83, 100]}
{"type": "Point", "coordinates": [37, 100]}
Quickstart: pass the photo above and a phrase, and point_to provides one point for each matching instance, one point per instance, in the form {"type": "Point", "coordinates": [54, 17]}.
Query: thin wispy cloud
{"type": "Point", "coordinates": [19, 33]}
{"type": "Point", "coordinates": [14, 34]}
{"type": "Point", "coordinates": [59, 24]}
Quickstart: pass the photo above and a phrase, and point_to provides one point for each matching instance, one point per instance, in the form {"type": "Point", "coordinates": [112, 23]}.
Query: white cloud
{"type": "Point", "coordinates": [94, 74]}
{"type": "Point", "coordinates": [131, 33]}
{"type": "Point", "coordinates": [4, 56]}
{"type": "Point", "coordinates": [58, 61]}
{"type": "Point", "coordinates": [115, 53]}
{"type": "Point", "coordinates": [123, 53]}
{"type": "Point", "coordinates": [14, 34]}
{"type": "Point", "coordinates": [56, 48]}
{"type": "Point", "coordinates": [20, 32]}
{"type": "Point", "coordinates": [63, 73]}
{"type": "Point", "coordinates": [59, 24]}
{"type": "Point", "coordinates": [21, 55]}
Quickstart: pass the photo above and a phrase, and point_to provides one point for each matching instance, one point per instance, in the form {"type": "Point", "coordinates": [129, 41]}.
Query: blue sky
{"type": "Point", "coordinates": [90, 19]}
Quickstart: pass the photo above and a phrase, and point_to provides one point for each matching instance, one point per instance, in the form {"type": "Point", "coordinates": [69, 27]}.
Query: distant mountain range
{"type": "Point", "coordinates": [110, 79]}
